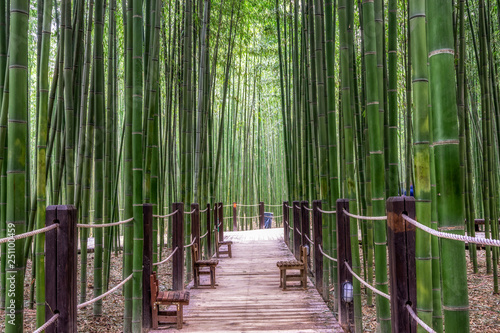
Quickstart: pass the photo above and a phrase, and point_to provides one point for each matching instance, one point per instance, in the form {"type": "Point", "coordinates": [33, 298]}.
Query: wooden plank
{"type": "Point", "coordinates": [248, 297]}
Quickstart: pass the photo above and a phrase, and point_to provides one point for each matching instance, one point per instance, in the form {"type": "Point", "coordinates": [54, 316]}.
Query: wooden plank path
{"type": "Point", "coordinates": [248, 297]}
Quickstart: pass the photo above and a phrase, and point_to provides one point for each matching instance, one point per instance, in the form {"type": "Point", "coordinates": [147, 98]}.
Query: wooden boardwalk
{"type": "Point", "coordinates": [248, 297]}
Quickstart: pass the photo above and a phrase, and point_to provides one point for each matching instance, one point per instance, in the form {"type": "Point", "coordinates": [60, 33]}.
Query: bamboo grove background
{"type": "Point", "coordinates": [107, 105]}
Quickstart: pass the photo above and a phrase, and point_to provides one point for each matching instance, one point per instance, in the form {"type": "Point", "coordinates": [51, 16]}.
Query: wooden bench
{"type": "Point", "coordinates": [219, 244]}
{"type": "Point", "coordinates": [199, 268]}
{"type": "Point", "coordinates": [168, 298]}
{"type": "Point", "coordinates": [300, 265]}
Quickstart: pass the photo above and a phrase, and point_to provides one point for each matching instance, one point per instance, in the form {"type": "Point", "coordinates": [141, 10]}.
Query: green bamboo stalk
{"type": "Point", "coordinates": [446, 160]}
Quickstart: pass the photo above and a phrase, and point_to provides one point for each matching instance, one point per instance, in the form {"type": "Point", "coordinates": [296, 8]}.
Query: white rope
{"type": "Point", "coordinates": [369, 218]}
{"type": "Point", "coordinates": [165, 216]}
{"type": "Point", "coordinates": [47, 324]}
{"type": "Point", "coordinates": [289, 206]}
{"type": "Point", "coordinates": [298, 231]}
{"type": "Point", "coordinates": [327, 211]}
{"type": "Point", "coordinates": [273, 205]}
{"type": "Point", "coordinates": [418, 320]}
{"type": "Point", "coordinates": [440, 234]}
{"type": "Point", "coordinates": [167, 259]}
{"type": "Point", "coordinates": [326, 255]}
{"type": "Point", "coordinates": [203, 211]}
{"type": "Point", "coordinates": [191, 212]}
{"type": "Point", "coordinates": [228, 217]}
{"type": "Point", "coordinates": [297, 207]}
{"type": "Point", "coordinates": [310, 241]}
{"type": "Point", "coordinates": [105, 294]}
{"type": "Point", "coordinates": [205, 235]}
{"type": "Point", "coordinates": [307, 208]}
{"type": "Point", "coordinates": [189, 245]}
{"type": "Point", "coordinates": [241, 205]}
{"type": "Point", "coordinates": [28, 234]}
{"type": "Point", "coordinates": [248, 217]}
{"type": "Point", "coordinates": [375, 290]}
{"type": "Point", "coordinates": [104, 225]}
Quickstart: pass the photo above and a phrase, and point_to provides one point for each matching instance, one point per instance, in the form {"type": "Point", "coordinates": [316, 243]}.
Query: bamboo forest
{"type": "Point", "coordinates": [193, 117]}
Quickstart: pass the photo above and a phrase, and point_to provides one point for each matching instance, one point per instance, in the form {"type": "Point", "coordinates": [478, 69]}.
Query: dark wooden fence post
{"type": "Point", "coordinates": [318, 241]}
{"type": "Point", "coordinates": [402, 271]}
{"type": "Point", "coordinates": [286, 228]}
{"type": "Point", "coordinates": [235, 221]}
{"type": "Point", "coordinates": [221, 221]}
{"type": "Point", "coordinates": [60, 264]}
{"type": "Point", "coordinates": [178, 242]}
{"type": "Point", "coordinates": [296, 229]}
{"type": "Point", "coordinates": [209, 229]}
{"type": "Point", "coordinates": [261, 215]}
{"type": "Point", "coordinates": [305, 229]}
{"type": "Point", "coordinates": [346, 310]}
{"type": "Point", "coordinates": [195, 227]}
{"type": "Point", "coordinates": [147, 265]}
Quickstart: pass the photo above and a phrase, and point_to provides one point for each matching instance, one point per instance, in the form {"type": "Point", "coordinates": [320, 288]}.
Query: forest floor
{"type": "Point", "coordinates": [484, 305]}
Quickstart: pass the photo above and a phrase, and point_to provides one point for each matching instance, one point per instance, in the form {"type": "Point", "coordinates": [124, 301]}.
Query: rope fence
{"type": "Point", "coordinates": [369, 218]}
{"type": "Point", "coordinates": [273, 205]}
{"type": "Point", "coordinates": [28, 234]}
{"type": "Point", "coordinates": [326, 255]}
{"type": "Point", "coordinates": [166, 259]}
{"type": "Point", "coordinates": [191, 212]}
{"type": "Point", "coordinates": [241, 205]}
{"type": "Point", "coordinates": [105, 225]}
{"type": "Point", "coordinates": [248, 217]}
{"type": "Point", "coordinates": [298, 231]}
{"type": "Point", "coordinates": [375, 290]}
{"type": "Point", "coordinates": [440, 234]}
{"type": "Point", "coordinates": [205, 235]}
{"type": "Point", "coordinates": [47, 324]}
{"type": "Point", "coordinates": [204, 211]}
{"type": "Point", "coordinates": [418, 320]}
{"type": "Point", "coordinates": [308, 209]}
{"type": "Point", "coordinates": [309, 240]}
{"type": "Point", "coordinates": [326, 211]}
{"type": "Point", "coordinates": [105, 294]}
{"type": "Point", "coordinates": [189, 245]}
{"type": "Point", "coordinates": [165, 216]}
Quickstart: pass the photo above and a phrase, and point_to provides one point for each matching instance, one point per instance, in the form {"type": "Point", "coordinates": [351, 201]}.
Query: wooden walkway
{"type": "Point", "coordinates": [248, 297]}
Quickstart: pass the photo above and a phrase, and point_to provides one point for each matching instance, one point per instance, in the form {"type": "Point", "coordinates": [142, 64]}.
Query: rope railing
{"type": "Point", "coordinates": [105, 294]}
{"type": "Point", "coordinates": [369, 218]}
{"type": "Point", "coordinates": [298, 231]}
{"type": "Point", "coordinates": [191, 212]}
{"type": "Point", "coordinates": [418, 320]}
{"type": "Point", "coordinates": [189, 245]}
{"type": "Point", "coordinates": [440, 234]}
{"type": "Point", "coordinates": [326, 255]}
{"type": "Point", "coordinates": [327, 211]}
{"type": "Point", "coordinates": [297, 207]}
{"type": "Point", "coordinates": [28, 234]}
{"type": "Point", "coordinates": [289, 206]}
{"type": "Point", "coordinates": [165, 216]}
{"type": "Point", "coordinates": [105, 225]}
{"type": "Point", "coordinates": [166, 259]}
{"type": "Point", "coordinates": [203, 211]}
{"type": "Point", "coordinates": [267, 205]}
{"type": "Point", "coordinates": [205, 235]}
{"type": "Point", "coordinates": [47, 324]}
{"type": "Point", "coordinates": [375, 290]}
{"type": "Point", "coordinates": [242, 205]}
{"type": "Point", "coordinates": [228, 217]}
{"type": "Point", "coordinates": [309, 240]}
{"type": "Point", "coordinates": [308, 209]}
{"type": "Point", "coordinates": [248, 217]}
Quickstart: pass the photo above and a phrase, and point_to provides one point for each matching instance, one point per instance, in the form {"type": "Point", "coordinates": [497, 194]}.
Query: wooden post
{"type": "Point", "coordinates": [261, 215]}
{"type": "Point", "coordinates": [209, 235]}
{"type": "Point", "coordinates": [195, 227]}
{"type": "Point", "coordinates": [402, 271]}
{"type": "Point", "coordinates": [296, 229]}
{"type": "Point", "coordinates": [346, 310]}
{"type": "Point", "coordinates": [147, 266]}
{"type": "Point", "coordinates": [60, 265]}
{"type": "Point", "coordinates": [235, 221]}
{"type": "Point", "coordinates": [178, 242]}
{"type": "Point", "coordinates": [305, 229]}
{"type": "Point", "coordinates": [286, 229]}
{"type": "Point", "coordinates": [221, 221]}
{"type": "Point", "coordinates": [318, 240]}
